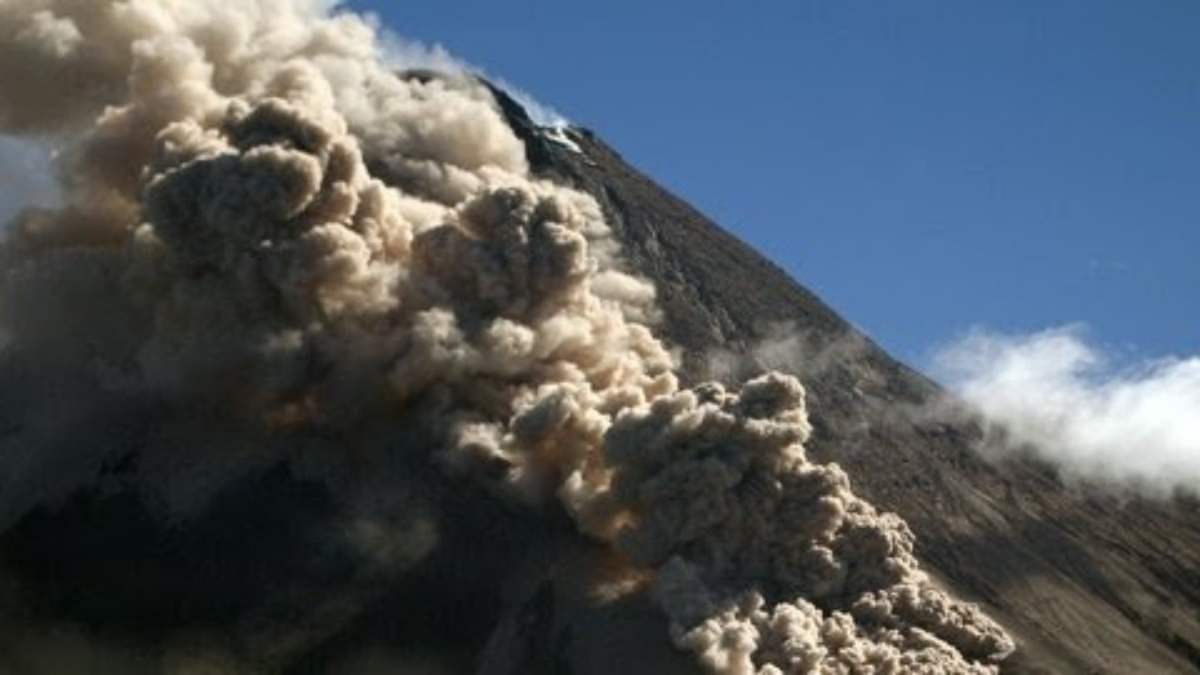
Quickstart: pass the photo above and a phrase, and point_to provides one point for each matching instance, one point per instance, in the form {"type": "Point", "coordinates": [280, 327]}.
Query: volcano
{"type": "Point", "coordinates": [297, 384]}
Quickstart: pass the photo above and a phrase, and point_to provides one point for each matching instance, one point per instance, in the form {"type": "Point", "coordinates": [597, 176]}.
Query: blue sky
{"type": "Point", "coordinates": [924, 166]}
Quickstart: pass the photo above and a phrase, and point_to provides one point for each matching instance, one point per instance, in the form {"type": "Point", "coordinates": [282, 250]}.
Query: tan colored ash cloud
{"type": "Point", "coordinates": [768, 563]}
{"type": "Point", "coordinates": [262, 217]}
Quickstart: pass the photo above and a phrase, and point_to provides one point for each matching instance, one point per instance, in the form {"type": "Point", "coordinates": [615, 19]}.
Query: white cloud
{"type": "Point", "coordinates": [1074, 404]}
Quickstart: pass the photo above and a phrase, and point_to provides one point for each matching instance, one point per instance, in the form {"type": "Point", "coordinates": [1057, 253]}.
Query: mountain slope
{"type": "Point", "coordinates": [1088, 581]}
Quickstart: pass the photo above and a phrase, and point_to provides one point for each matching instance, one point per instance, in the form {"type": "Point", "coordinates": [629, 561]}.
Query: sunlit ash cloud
{"type": "Point", "coordinates": [1060, 396]}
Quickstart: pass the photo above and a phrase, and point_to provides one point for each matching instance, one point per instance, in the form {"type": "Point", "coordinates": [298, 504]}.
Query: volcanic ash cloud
{"type": "Point", "coordinates": [262, 217]}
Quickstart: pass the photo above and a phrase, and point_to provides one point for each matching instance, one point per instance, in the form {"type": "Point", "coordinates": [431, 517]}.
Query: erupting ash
{"type": "Point", "coordinates": [264, 219]}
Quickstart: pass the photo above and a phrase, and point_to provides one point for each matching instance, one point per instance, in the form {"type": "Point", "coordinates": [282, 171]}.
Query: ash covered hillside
{"type": "Point", "coordinates": [331, 364]}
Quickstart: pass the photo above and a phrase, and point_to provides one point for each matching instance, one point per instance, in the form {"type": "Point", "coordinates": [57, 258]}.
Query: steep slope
{"type": "Point", "coordinates": [1088, 581]}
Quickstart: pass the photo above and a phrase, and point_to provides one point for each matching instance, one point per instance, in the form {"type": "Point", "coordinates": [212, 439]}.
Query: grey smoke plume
{"type": "Point", "coordinates": [264, 220]}
{"type": "Point", "coordinates": [785, 347]}
{"type": "Point", "coordinates": [1072, 403]}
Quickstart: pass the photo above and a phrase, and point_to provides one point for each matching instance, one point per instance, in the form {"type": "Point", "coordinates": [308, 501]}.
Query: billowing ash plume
{"type": "Point", "coordinates": [1055, 394]}
{"type": "Point", "coordinates": [767, 562]}
{"type": "Point", "coordinates": [262, 218]}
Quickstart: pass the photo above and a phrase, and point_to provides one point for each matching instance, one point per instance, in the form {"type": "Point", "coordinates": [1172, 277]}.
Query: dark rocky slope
{"type": "Point", "coordinates": [1087, 581]}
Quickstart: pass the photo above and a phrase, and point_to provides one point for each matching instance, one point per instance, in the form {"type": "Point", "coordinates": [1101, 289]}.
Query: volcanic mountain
{"type": "Point", "coordinates": [328, 367]}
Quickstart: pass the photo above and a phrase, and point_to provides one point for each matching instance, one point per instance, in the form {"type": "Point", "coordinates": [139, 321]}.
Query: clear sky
{"type": "Point", "coordinates": [923, 165]}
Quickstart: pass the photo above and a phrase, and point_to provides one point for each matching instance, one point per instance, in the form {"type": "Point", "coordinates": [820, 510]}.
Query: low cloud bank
{"type": "Point", "coordinates": [1079, 406]}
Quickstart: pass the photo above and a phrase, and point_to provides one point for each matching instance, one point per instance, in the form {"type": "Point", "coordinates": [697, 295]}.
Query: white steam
{"type": "Point", "coordinates": [1072, 403]}
{"type": "Point", "coordinates": [540, 113]}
